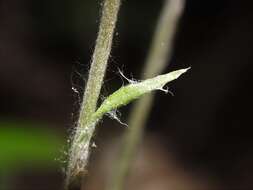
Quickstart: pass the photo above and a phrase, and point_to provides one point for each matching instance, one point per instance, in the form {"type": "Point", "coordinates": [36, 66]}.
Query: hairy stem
{"type": "Point", "coordinates": [159, 55]}
{"type": "Point", "coordinates": [79, 152]}
{"type": "Point", "coordinates": [99, 59]}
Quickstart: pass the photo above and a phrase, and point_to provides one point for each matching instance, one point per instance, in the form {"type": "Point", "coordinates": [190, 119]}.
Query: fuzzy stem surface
{"type": "Point", "coordinates": [79, 151]}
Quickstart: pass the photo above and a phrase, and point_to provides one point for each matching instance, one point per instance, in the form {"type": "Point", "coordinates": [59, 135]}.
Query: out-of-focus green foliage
{"type": "Point", "coordinates": [27, 145]}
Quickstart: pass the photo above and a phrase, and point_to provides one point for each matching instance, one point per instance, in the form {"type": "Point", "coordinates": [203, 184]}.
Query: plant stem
{"type": "Point", "coordinates": [79, 151]}
{"type": "Point", "coordinates": [99, 59]}
{"type": "Point", "coordinates": [159, 55]}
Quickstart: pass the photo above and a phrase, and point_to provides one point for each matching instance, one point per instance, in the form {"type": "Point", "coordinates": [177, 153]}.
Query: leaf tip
{"type": "Point", "coordinates": [176, 74]}
{"type": "Point", "coordinates": [185, 70]}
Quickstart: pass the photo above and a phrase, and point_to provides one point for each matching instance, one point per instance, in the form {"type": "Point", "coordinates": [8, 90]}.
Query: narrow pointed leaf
{"type": "Point", "coordinates": [133, 91]}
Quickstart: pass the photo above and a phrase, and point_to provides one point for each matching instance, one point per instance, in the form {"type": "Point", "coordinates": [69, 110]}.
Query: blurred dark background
{"type": "Point", "coordinates": [45, 50]}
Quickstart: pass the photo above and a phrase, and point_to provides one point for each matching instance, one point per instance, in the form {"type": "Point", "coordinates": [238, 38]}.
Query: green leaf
{"type": "Point", "coordinates": [25, 144]}
{"type": "Point", "coordinates": [133, 91]}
